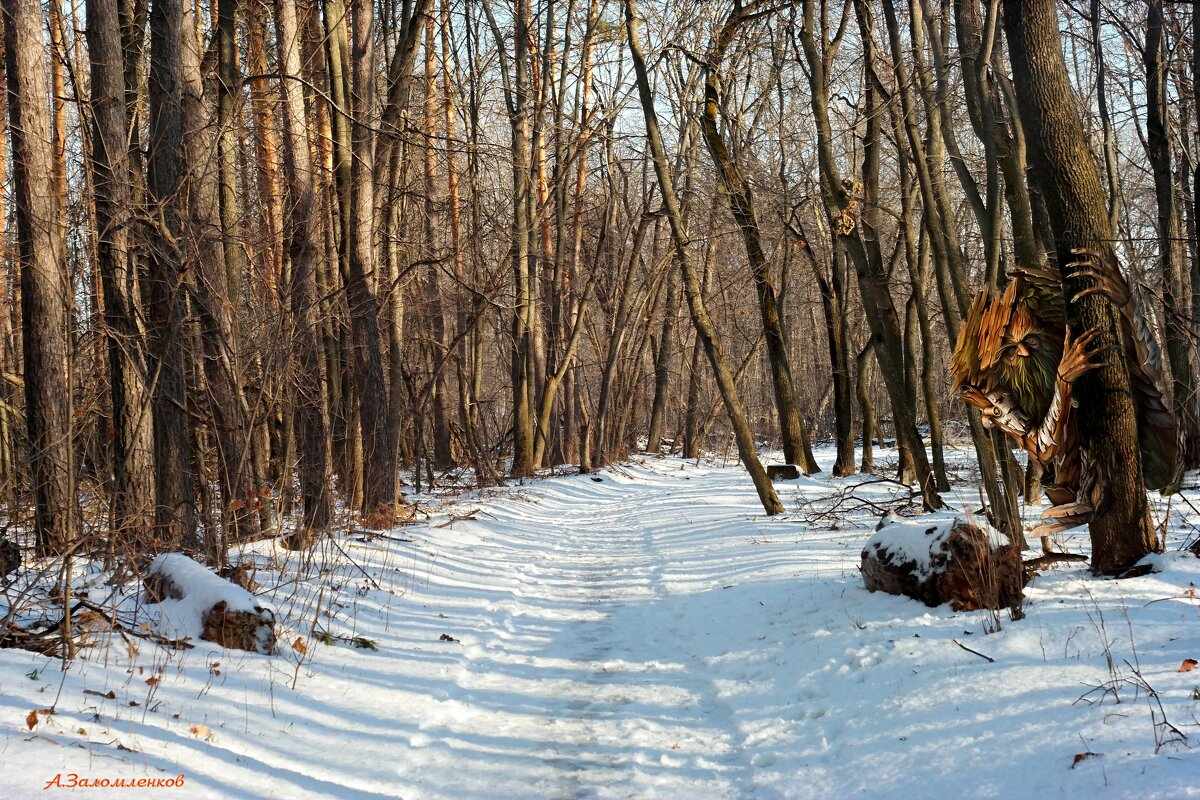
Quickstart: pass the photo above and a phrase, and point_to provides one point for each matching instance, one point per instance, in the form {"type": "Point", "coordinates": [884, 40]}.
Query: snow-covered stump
{"type": "Point", "coordinates": [783, 472]}
{"type": "Point", "coordinates": [199, 604]}
{"type": "Point", "coordinates": [968, 564]}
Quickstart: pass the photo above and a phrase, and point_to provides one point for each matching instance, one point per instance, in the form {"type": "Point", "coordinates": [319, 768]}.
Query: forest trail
{"type": "Point", "coordinates": [644, 632]}
{"type": "Point", "coordinates": [588, 635]}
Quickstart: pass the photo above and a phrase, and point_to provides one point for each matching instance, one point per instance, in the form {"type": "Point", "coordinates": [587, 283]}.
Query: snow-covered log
{"type": "Point", "coordinates": [197, 603]}
{"type": "Point", "coordinates": [944, 559]}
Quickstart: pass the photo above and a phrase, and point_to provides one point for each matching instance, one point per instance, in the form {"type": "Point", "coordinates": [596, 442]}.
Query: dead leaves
{"type": "Point", "coordinates": [1083, 757]}
{"type": "Point", "coordinates": [34, 717]}
{"type": "Point", "coordinates": [1188, 665]}
{"type": "Point", "coordinates": [299, 646]}
{"type": "Point", "coordinates": [202, 731]}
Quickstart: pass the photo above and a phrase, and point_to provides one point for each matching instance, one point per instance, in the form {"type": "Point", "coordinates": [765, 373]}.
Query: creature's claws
{"type": "Point", "coordinates": [1078, 357]}
{"type": "Point", "coordinates": [1108, 282]}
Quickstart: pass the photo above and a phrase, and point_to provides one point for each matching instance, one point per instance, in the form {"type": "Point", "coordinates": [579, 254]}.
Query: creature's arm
{"type": "Point", "coordinates": [998, 411]}
{"type": "Point", "coordinates": [1077, 359]}
{"type": "Point", "coordinates": [1112, 284]}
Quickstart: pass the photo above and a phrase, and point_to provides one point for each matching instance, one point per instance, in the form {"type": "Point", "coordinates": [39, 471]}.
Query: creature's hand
{"type": "Point", "coordinates": [1109, 280]}
{"type": "Point", "coordinates": [1077, 358]}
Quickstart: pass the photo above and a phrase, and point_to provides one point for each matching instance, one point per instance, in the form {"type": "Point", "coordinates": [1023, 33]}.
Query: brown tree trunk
{"type": "Point", "coordinates": [167, 306]}
{"type": "Point", "coordinates": [378, 462]}
{"type": "Point", "coordinates": [796, 447]}
{"type": "Point", "coordinates": [691, 281]}
{"type": "Point", "coordinates": [304, 247]}
{"type": "Point", "coordinates": [132, 424]}
{"type": "Point", "coordinates": [45, 287]}
{"type": "Point", "coordinates": [1170, 240]}
{"type": "Point", "coordinates": [1122, 532]}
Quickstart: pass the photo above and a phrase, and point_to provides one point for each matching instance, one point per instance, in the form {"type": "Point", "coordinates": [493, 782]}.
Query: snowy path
{"type": "Point", "coordinates": [646, 634]}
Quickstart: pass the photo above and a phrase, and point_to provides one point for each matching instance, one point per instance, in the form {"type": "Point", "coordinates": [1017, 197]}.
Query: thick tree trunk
{"type": "Point", "coordinates": [378, 462]}
{"type": "Point", "coordinates": [1122, 532]}
{"type": "Point", "coordinates": [304, 248]}
{"type": "Point", "coordinates": [132, 423]}
{"type": "Point", "coordinates": [167, 306]}
{"type": "Point", "coordinates": [45, 288]}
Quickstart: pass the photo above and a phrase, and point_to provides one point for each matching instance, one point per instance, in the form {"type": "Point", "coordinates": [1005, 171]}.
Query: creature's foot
{"type": "Point", "coordinates": [1063, 517]}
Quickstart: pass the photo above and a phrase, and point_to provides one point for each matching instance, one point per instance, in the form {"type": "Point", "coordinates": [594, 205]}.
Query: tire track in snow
{"type": "Point", "coordinates": [608, 566]}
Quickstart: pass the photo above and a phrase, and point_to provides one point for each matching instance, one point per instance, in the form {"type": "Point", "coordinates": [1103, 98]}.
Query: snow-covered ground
{"type": "Point", "coordinates": [645, 632]}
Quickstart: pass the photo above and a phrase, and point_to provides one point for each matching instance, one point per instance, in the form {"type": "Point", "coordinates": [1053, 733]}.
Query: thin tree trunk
{"type": "Point", "coordinates": [691, 282]}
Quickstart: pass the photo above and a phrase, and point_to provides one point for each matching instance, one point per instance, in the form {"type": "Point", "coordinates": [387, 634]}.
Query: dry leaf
{"type": "Point", "coordinates": [236, 503]}
{"type": "Point", "coordinates": [1082, 757]}
{"type": "Point", "coordinates": [32, 718]}
{"type": "Point", "coordinates": [82, 731]}
{"type": "Point", "coordinates": [152, 681]}
{"type": "Point", "coordinates": [299, 646]}
{"type": "Point", "coordinates": [1188, 665]}
{"type": "Point", "coordinates": [202, 730]}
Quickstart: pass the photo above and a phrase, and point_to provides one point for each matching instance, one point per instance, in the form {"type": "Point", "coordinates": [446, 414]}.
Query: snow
{"type": "Point", "coordinates": [649, 634]}
{"type": "Point", "coordinates": [202, 589]}
{"type": "Point", "coordinates": [916, 539]}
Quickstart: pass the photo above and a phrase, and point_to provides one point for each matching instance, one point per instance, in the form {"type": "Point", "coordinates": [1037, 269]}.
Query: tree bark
{"type": "Point", "coordinates": [796, 447]}
{"type": "Point", "coordinates": [45, 287]}
{"type": "Point", "coordinates": [303, 247]}
{"type": "Point", "coordinates": [132, 422]}
{"type": "Point", "coordinates": [1121, 531]}
{"type": "Point", "coordinates": [691, 282]}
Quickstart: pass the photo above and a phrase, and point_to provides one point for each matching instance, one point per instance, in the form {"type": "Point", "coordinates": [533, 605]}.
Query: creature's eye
{"type": "Point", "coordinates": [1031, 342]}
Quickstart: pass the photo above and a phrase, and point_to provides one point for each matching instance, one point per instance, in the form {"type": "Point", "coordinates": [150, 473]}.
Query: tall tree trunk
{"type": "Point", "coordinates": [132, 423]}
{"type": "Point", "coordinates": [167, 300]}
{"type": "Point", "coordinates": [1121, 532]}
{"type": "Point", "coordinates": [45, 287]}
{"type": "Point", "coordinates": [304, 247]}
{"type": "Point", "coordinates": [379, 471]}
{"type": "Point", "coordinates": [1170, 239]}
{"type": "Point", "coordinates": [705, 329]}
{"type": "Point", "coordinates": [842, 208]}
{"type": "Point", "coordinates": [796, 447]}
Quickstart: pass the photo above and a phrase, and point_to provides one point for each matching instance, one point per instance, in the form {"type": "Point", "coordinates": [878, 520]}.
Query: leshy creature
{"type": "Point", "coordinates": [1017, 363]}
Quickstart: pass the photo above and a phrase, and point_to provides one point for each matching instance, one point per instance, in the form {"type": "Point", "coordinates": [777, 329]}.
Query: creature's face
{"type": "Point", "coordinates": [1022, 338]}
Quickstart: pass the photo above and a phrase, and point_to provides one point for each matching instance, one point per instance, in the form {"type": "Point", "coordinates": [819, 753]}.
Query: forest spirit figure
{"type": "Point", "coordinates": [1016, 362]}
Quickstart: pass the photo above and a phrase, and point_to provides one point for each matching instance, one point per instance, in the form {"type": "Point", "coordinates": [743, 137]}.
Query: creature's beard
{"type": "Point", "coordinates": [1030, 380]}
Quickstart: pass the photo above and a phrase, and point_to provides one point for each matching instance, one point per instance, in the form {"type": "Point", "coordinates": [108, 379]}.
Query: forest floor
{"type": "Point", "coordinates": [642, 632]}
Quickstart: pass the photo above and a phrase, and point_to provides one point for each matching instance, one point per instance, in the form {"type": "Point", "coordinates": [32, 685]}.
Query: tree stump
{"type": "Point", "coordinates": [783, 472]}
{"type": "Point", "coordinates": [202, 604]}
{"type": "Point", "coordinates": [970, 565]}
